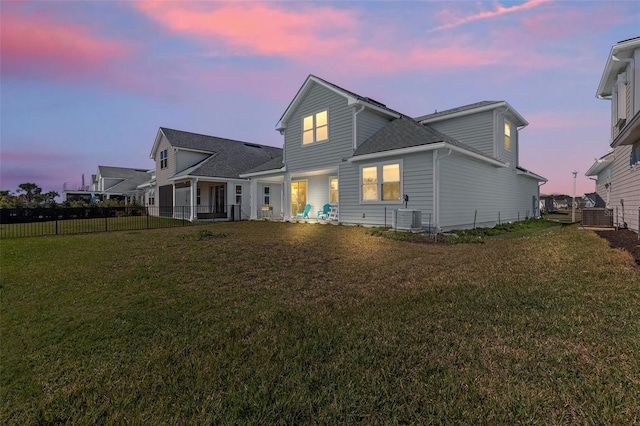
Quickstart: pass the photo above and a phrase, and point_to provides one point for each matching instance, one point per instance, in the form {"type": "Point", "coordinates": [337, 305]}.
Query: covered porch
{"type": "Point", "coordinates": [197, 199]}
{"type": "Point", "coordinates": [318, 189]}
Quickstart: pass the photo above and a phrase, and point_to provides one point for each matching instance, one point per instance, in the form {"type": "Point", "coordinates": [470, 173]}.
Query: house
{"type": "Point", "coordinates": [198, 176]}
{"type": "Point", "coordinates": [619, 171]}
{"type": "Point", "coordinates": [592, 200]}
{"type": "Point", "coordinates": [455, 168]}
{"type": "Point", "coordinates": [602, 172]}
{"type": "Point", "coordinates": [110, 182]}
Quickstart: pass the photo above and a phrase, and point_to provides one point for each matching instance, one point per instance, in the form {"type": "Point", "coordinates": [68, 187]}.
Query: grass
{"type": "Point", "coordinates": [278, 323]}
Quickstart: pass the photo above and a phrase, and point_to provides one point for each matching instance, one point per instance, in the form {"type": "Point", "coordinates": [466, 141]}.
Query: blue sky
{"type": "Point", "coordinates": [88, 83]}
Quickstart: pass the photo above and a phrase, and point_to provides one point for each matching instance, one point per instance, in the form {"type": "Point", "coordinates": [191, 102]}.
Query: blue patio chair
{"type": "Point", "coordinates": [324, 213]}
{"type": "Point", "coordinates": [305, 213]}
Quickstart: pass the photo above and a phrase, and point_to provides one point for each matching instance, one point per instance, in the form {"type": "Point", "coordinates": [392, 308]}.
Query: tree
{"type": "Point", "coordinates": [31, 193]}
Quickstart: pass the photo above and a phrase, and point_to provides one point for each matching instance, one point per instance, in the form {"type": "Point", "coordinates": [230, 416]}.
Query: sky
{"type": "Point", "coordinates": [85, 84]}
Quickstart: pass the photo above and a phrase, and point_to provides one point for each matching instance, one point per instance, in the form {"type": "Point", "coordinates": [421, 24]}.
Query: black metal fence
{"type": "Point", "coordinates": [31, 222]}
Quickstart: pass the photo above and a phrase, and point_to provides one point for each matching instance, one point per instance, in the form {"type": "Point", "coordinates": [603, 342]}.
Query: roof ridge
{"type": "Point", "coordinates": [218, 137]}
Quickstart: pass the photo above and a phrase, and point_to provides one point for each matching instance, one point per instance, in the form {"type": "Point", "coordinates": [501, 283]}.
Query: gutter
{"type": "Point", "coordinates": [427, 148]}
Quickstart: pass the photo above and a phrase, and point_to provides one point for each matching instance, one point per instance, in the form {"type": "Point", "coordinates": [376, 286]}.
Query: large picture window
{"type": "Point", "coordinates": [381, 182]}
{"type": "Point", "coordinates": [315, 128]}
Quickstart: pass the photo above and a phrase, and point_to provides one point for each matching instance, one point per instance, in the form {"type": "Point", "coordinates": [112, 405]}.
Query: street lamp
{"type": "Point", "coordinates": [573, 204]}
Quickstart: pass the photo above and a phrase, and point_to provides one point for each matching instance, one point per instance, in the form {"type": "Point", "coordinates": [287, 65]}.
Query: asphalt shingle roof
{"type": "Point", "coordinates": [229, 158]}
{"type": "Point", "coordinates": [131, 178]}
{"type": "Point", "coordinates": [456, 110]}
{"type": "Point", "coordinates": [404, 132]}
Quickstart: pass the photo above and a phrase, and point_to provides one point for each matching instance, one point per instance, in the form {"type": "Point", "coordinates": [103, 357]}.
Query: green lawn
{"type": "Point", "coordinates": [278, 323]}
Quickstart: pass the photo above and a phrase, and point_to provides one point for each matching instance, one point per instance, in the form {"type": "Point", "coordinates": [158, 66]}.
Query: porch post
{"type": "Point", "coordinates": [194, 200]}
{"type": "Point", "coordinates": [286, 197]}
{"type": "Point", "coordinates": [253, 199]}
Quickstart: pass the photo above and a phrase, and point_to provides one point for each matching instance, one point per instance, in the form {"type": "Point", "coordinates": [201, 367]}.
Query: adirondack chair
{"type": "Point", "coordinates": [305, 213]}
{"type": "Point", "coordinates": [324, 213]}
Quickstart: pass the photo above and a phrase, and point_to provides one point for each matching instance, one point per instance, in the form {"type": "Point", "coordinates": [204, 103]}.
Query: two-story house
{"type": "Point", "coordinates": [618, 172]}
{"type": "Point", "coordinates": [459, 168]}
{"type": "Point", "coordinates": [198, 176]}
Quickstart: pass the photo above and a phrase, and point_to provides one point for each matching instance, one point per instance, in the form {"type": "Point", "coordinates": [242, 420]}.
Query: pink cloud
{"type": "Point", "coordinates": [253, 28]}
{"type": "Point", "coordinates": [453, 20]}
{"type": "Point", "coordinates": [35, 45]}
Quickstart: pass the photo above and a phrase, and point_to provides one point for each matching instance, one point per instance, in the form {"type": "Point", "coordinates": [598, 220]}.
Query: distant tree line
{"type": "Point", "coordinates": [30, 195]}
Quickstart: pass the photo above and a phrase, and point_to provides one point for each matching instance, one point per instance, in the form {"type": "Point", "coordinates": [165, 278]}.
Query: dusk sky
{"type": "Point", "coordinates": [88, 83]}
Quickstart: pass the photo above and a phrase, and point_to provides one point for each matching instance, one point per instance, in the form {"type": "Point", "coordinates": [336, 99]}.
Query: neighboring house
{"type": "Point", "coordinates": [602, 172]}
{"type": "Point", "coordinates": [458, 167]}
{"type": "Point", "coordinates": [198, 176]}
{"type": "Point", "coordinates": [111, 183]}
{"type": "Point", "coordinates": [620, 84]}
{"type": "Point", "coordinates": [592, 200]}
{"type": "Point", "coordinates": [546, 203]}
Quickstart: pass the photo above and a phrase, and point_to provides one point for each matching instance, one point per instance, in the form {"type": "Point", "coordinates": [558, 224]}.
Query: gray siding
{"type": "Point", "coordinates": [475, 130]}
{"type": "Point", "coordinates": [625, 186]}
{"type": "Point", "coordinates": [186, 159]}
{"type": "Point", "coordinates": [320, 154]}
{"type": "Point", "coordinates": [368, 124]}
{"type": "Point", "coordinates": [275, 197]}
{"type": "Point", "coordinates": [467, 185]}
{"type": "Point", "coordinates": [417, 181]}
{"type": "Point", "coordinates": [511, 156]}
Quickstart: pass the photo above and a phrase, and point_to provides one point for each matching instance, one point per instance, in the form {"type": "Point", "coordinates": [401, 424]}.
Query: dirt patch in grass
{"type": "Point", "coordinates": [624, 239]}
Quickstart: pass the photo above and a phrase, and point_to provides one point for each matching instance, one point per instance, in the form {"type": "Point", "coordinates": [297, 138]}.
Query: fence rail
{"type": "Point", "coordinates": [31, 222]}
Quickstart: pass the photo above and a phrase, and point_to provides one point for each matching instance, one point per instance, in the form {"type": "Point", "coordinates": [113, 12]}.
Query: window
{"type": "Point", "coordinates": [634, 158]}
{"type": "Point", "coordinates": [381, 182]}
{"type": "Point", "coordinates": [315, 128]}
{"type": "Point", "coordinates": [238, 194]}
{"type": "Point", "coordinates": [198, 196]}
{"type": "Point", "coordinates": [507, 135]}
{"type": "Point", "coordinates": [163, 159]}
{"type": "Point", "coordinates": [333, 190]}
{"type": "Point", "coordinates": [267, 196]}
{"type": "Point", "coordinates": [152, 196]}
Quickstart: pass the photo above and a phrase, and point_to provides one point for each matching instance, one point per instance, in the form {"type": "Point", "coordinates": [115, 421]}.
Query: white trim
{"type": "Point", "coordinates": [264, 172]}
{"type": "Point", "coordinates": [475, 111]}
{"type": "Point", "coordinates": [313, 172]}
{"type": "Point", "coordinates": [379, 165]}
{"type": "Point", "coordinates": [531, 175]}
{"type": "Point", "coordinates": [426, 148]}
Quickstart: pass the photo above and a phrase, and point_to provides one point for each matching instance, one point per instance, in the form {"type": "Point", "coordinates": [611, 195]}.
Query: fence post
{"type": "Point", "coordinates": [475, 215]}
{"type": "Point", "coordinates": [104, 212]}
{"type": "Point", "coordinates": [146, 209]}
{"type": "Point", "coordinates": [55, 212]}
{"type": "Point", "coordinates": [498, 218]}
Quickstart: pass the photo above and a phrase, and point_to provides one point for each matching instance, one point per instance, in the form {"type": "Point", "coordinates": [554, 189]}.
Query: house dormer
{"type": "Point", "coordinates": [488, 126]}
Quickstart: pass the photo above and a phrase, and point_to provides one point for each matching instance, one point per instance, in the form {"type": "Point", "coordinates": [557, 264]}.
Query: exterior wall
{"type": "Point", "coordinates": [467, 186]}
{"type": "Point", "coordinates": [625, 186]}
{"type": "Point", "coordinates": [507, 156]}
{"type": "Point", "coordinates": [186, 159]}
{"type": "Point", "coordinates": [475, 130]}
{"type": "Point", "coordinates": [604, 178]}
{"type": "Point", "coordinates": [368, 123]}
{"type": "Point", "coordinates": [323, 154]}
{"type": "Point", "coordinates": [417, 183]}
{"type": "Point", "coordinates": [275, 197]}
{"type": "Point", "coordinates": [162, 175]}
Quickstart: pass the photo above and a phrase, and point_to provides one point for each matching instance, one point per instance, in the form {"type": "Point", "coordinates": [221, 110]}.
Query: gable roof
{"type": "Point", "coordinates": [352, 99]}
{"type": "Point", "coordinates": [228, 158]}
{"type": "Point", "coordinates": [472, 109]}
{"type": "Point", "coordinates": [615, 64]}
{"type": "Point", "coordinates": [129, 178]}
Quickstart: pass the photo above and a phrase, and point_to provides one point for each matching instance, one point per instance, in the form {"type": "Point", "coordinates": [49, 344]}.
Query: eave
{"type": "Point", "coordinates": [630, 133]}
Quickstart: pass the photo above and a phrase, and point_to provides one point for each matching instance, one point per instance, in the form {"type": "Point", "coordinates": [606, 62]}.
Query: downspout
{"type": "Point", "coordinates": [436, 187]}
{"type": "Point", "coordinates": [355, 126]}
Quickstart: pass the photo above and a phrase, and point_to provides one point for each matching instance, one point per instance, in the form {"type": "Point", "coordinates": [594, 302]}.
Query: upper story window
{"type": "Point", "coordinates": [315, 128]}
{"type": "Point", "coordinates": [381, 182]}
{"type": "Point", "coordinates": [507, 135]}
{"type": "Point", "coordinates": [164, 162]}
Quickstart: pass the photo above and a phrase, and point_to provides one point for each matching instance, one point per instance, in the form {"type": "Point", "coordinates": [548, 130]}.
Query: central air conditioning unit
{"type": "Point", "coordinates": [408, 220]}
